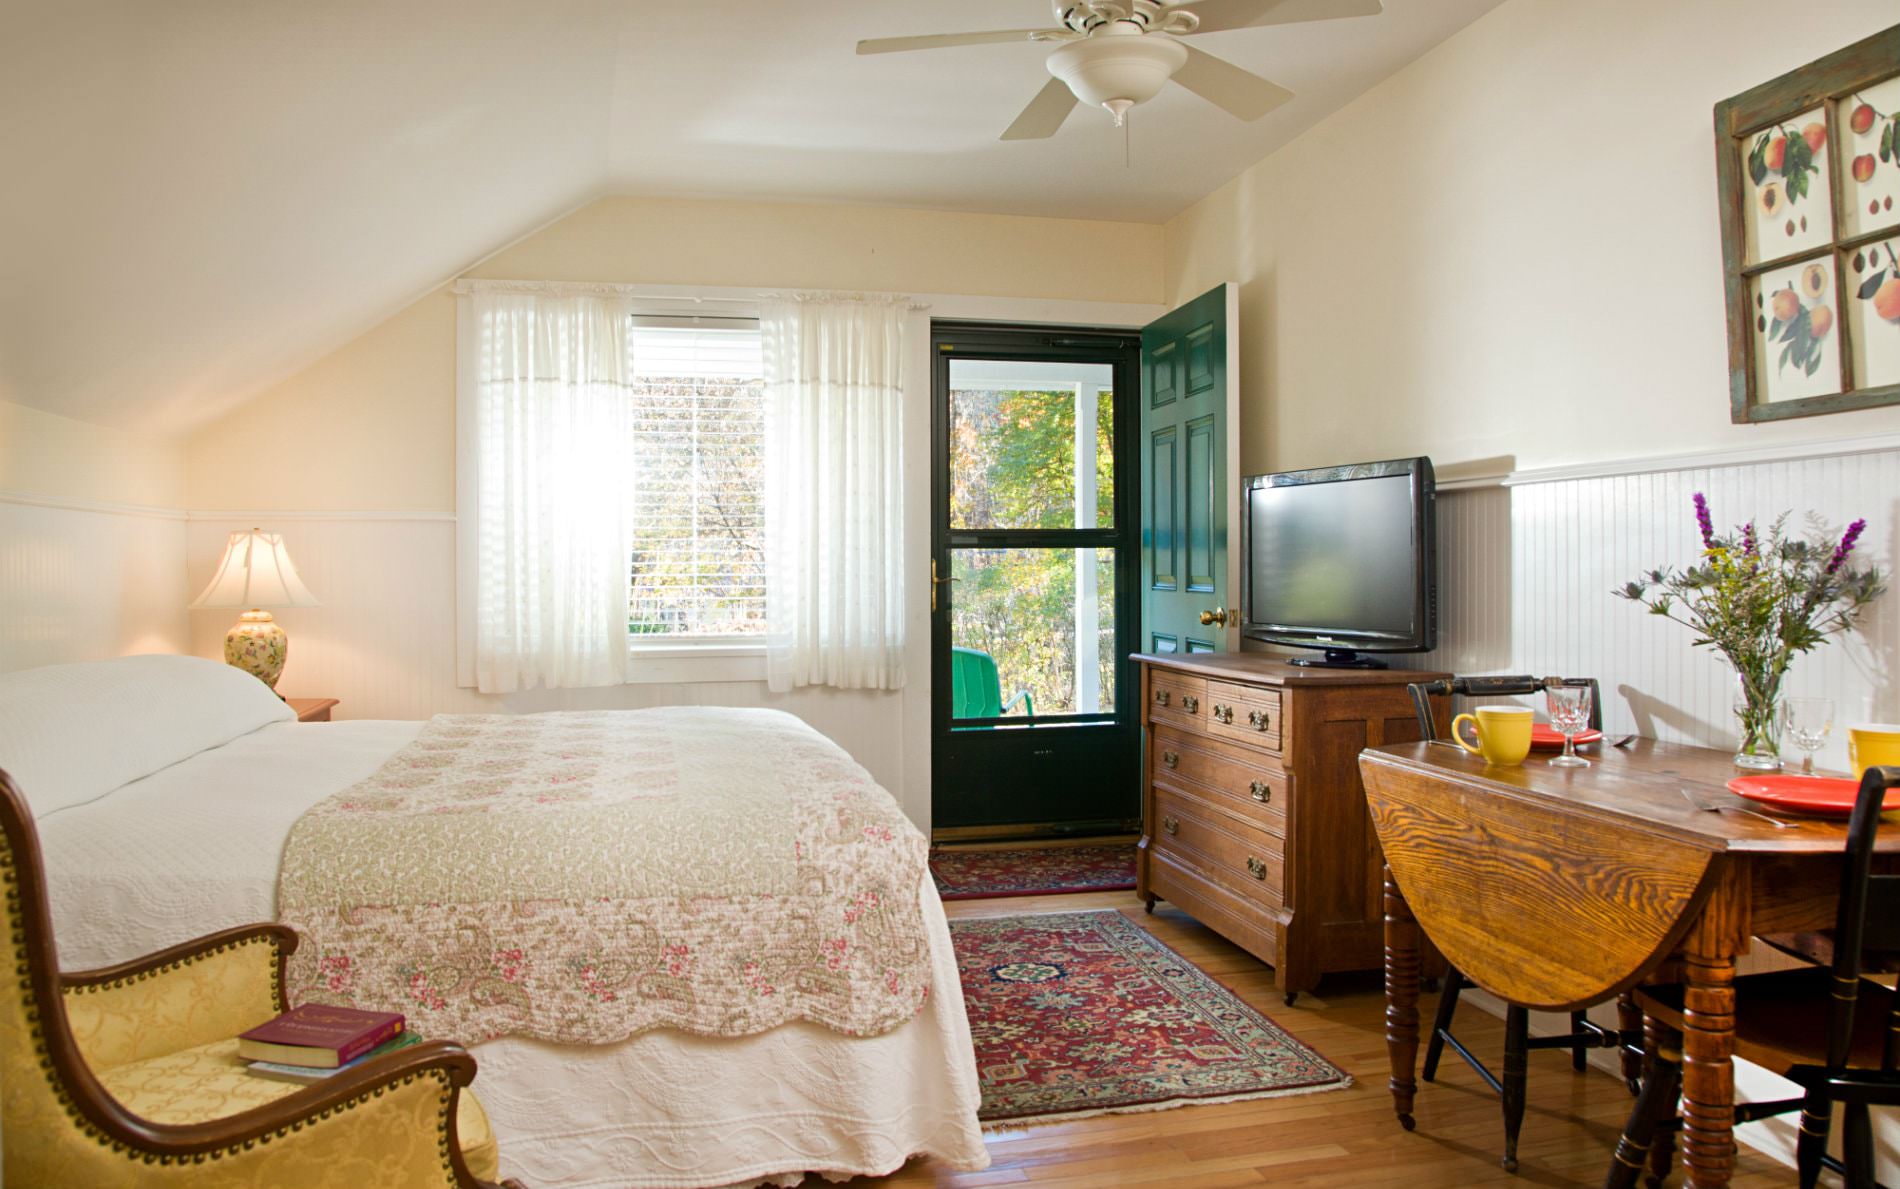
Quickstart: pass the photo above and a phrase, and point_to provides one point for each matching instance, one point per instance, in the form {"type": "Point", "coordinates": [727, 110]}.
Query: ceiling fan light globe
{"type": "Point", "coordinates": [1106, 68]}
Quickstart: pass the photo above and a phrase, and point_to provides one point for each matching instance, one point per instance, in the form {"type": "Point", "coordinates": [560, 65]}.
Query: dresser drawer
{"type": "Point", "coordinates": [1177, 698]}
{"type": "Point", "coordinates": [1245, 714]}
{"type": "Point", "coordinates": [1244, 858]}
{"type": "Point", "coordinates": [1243, 781]}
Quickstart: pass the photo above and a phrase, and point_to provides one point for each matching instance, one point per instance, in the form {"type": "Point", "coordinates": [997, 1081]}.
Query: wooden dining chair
{"type": "Point", "coordinates": [1584, 1034]}
{"type": "Point", "coordinates": [1828, 1029]}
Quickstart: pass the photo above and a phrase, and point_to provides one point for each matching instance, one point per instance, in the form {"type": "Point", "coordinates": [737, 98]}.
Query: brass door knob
{"type": "Point", "coordinates": [1170, 760]}
{"type": "Point", "coordinates": [1256, 868]}
{"type": "Point", "coordinates": [1260, 791]}
{"type": "Point", "coordinates": [1217, 616]}
{"type": "Point", "coordinates": [1171, 826]}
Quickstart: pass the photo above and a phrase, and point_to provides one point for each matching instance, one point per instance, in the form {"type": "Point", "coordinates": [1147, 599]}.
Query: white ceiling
{"type": "Point", "coordinates": [204, 195]}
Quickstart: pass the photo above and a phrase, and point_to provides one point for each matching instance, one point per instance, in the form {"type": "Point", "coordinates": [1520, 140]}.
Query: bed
{"type": "Point", "coordinates": [167, 817]}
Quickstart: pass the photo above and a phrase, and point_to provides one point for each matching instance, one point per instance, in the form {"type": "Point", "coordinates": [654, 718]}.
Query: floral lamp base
{"type": "Point", "coordinates": [257, 646]}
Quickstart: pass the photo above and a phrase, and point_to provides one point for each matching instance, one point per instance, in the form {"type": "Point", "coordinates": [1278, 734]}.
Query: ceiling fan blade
{"type": "Point", "coordinates": [1218, 15]}
{"type": "Point", "coordinates": [937, 41]}
{"type": "Point", "coordinates": [1228, 87]}
{"type": "Point", "coordinates": [1044, 114]}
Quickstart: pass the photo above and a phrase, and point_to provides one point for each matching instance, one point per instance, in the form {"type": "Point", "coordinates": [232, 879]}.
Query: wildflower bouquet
{"type": "Point", "coordinates": [1760, 600]}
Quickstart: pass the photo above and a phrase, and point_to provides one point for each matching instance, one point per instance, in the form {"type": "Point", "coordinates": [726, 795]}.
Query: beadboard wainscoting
{"type": "Point", "coordinates": [84, 581]}
{"type": "Point", "coordinates": [1575, 540]}
{"type": "Point", "coordinates": [384, 643]}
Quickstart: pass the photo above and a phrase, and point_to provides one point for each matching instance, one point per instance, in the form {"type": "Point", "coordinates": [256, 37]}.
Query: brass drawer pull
{"type": "Point", "coordinates": [1171, 826]}
{"type": "Point", "coordinates": [1222, 713]}
{"type": "Point", "coordinates": [1161, 697]}
{"type": "Point", "coordinates": [1256, 868]}
{"type": "Point", "coordinates": [1191, 704]}
{"type": "Point", "coordinates": [1260, 791]}
{"type": "Point", "coordinates": [1170, 760]}
{"type": "Point", "coordinates": [1259, 720]}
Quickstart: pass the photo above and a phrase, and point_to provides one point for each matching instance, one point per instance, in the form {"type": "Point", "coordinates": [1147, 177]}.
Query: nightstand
{"type": "Point", "coordinates": [312, 709]}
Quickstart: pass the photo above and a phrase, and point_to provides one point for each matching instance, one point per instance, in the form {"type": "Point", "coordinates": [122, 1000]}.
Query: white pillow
{"type": "Point", "coordinates": [72, 733]}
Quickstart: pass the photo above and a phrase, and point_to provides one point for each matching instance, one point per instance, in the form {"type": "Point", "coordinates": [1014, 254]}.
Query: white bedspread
{"type": "Point", "coordinates": [195, 848]}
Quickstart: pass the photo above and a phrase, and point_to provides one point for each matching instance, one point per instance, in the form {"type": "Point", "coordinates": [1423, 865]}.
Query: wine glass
{"type": "Point", "coordinates": [1808, 721]}
{"type": "Point", "coordinates": [1569, 707]}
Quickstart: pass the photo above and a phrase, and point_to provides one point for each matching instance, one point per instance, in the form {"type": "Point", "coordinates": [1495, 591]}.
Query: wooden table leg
{"type": "Point", "coordinates": [1401, 1000]}
{"type": "Point", "coordinates": [1708, 1075]}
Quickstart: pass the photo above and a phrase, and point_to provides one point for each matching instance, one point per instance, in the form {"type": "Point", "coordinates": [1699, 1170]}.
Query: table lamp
{"type": "Point", "coordinates": [255, 573]}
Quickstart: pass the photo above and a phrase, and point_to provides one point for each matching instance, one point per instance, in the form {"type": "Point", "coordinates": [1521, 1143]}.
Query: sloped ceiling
{"type": "Point", "coordinates": [203, 196]}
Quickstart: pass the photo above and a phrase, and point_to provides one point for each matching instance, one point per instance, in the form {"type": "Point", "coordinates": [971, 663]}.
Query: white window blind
{"type": "Point", "coordinates": [699, 521]}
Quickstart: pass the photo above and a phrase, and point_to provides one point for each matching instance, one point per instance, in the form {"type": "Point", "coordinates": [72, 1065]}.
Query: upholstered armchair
{"type": "Point", "coordinates": [129, 1076]}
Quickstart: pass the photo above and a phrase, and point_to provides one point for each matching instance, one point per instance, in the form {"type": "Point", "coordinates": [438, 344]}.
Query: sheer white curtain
{"type": "Point", "coordinates": [834, 498]}
{"type": "Point", "coordinates": [553, 422]}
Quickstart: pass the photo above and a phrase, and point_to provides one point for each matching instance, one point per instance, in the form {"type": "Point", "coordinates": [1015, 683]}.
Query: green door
{"type": "Point", "coordinates": [1189, 486]}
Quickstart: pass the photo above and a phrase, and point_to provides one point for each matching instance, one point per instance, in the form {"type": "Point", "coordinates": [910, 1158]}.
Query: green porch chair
{"type": "Point", "coordinates": [976, 691]}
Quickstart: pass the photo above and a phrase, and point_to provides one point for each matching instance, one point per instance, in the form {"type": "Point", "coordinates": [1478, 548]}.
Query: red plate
{"type": "Point", "coordinates": [1545, 737]}
{"type": "Point", "coordinates": [1831, 796]}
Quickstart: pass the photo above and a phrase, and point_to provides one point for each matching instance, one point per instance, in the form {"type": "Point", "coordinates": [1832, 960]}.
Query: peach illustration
{"type": "Point", "coordinates": [1820, 321]}
{"type": "Point", "coordinates": [1815, 135]}
{"type": "Point", "coordinates": [1862, 120]}
{"type": "Point", "coordinates": [1770, 198]}
{"type": "Point", "coordinates": [1777, 153]}
{"type": "Point", "coordinates": [1887, 300]}
{"type": "Point", "coordinates": [1813, 281]}
{"type": "Point", "coordinates": [1864, 167]}
{"type": "Point", "coordinates": [1785, 305]}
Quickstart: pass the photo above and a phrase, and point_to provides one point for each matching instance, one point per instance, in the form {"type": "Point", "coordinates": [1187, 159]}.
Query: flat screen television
{"type": "Point", "coordinates": [1342, 559]}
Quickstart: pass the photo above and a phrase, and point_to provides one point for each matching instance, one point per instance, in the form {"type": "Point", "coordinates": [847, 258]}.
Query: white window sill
{"type": "Point", "coordinates": [691, 662]}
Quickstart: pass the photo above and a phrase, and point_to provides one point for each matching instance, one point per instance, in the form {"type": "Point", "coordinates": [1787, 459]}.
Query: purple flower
{"type": "Point", "coordinates": [1702, 520]}
{"type": "Point", "coordinates": [1846, 546]}
{"type": "Point", "coordinates": [1748, 539]}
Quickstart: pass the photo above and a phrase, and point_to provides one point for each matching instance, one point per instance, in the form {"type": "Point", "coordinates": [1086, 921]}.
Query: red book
{"type": "Point", "coordinates": [319, 1036]}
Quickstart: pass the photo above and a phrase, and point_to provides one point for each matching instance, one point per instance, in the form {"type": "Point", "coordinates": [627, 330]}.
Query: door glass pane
{"type": "Point", "coordinates": [1031, 444]}
{"type": "Point", "coordinates": [1032, 632]}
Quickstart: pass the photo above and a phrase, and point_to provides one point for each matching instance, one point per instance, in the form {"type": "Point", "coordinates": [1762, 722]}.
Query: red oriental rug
{"type": "Point", "coordinates": [1086, 1013]}
{"type": "Point", "coordinates": [1033, 871]}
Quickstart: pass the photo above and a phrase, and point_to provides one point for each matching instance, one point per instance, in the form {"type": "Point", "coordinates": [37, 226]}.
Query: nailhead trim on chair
{"type": "Point", "coordinates": [9, 878]}
{"type": "Point", "coordinates": [276, 984]}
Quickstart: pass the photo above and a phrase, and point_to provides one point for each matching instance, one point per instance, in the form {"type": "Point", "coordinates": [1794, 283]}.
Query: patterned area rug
{"type": "Point", "coordinates": [1084, 1013]}
{"type": "Point", "coordinates": [1033, 871]}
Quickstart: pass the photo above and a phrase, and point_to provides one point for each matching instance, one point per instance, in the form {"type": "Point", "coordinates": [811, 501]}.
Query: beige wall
{"type": "Point", "coordinates": [43, 454]}
{"type": "Point", "coordinates": [1510, 247]}
{"type": "Point", "coordinates": [372, 427]}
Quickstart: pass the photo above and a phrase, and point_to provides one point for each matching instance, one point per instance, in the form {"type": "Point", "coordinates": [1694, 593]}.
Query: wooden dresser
{"type": "Point", "coordinates": [1254, 820]}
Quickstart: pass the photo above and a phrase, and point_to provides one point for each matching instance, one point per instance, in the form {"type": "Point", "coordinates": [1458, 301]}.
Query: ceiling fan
{"type": "Point", "coordinates": [1117, 53]}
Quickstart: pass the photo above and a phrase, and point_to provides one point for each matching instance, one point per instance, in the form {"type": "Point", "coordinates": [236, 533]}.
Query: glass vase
{"type": "Point", "coordinates": [1757, 715]}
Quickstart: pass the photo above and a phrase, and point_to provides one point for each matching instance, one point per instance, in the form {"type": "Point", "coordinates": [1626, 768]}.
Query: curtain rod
{"type": "Point", "coordinates": [613, 289]}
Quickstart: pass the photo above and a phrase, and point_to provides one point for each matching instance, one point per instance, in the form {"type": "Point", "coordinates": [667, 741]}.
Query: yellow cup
{"type": "Point", "coordinates": [1872, 745]}
{"type": "Point", "coordinates": [1503, 733]}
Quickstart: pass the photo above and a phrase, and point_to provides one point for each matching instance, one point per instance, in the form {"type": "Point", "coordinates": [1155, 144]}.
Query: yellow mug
{"type": "Point", "coordinates": [1871, 745]}
{"type": "Point", "coordinates": [1503, 733]}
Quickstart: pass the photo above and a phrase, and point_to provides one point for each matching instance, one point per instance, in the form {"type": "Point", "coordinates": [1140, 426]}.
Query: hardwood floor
{"type": "Point", "coordinates": [1343, 1138]}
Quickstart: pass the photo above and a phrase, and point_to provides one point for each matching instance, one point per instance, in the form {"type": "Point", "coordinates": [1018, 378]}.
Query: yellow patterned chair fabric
{"type": "Point", "coordinates": [130, 1076]}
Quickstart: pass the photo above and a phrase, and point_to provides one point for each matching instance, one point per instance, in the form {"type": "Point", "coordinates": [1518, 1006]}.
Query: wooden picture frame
{"type": "Point", "coordinates": [1810, 228]}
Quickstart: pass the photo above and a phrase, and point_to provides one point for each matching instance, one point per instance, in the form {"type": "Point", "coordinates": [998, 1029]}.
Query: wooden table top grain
{"type": "Point", "coordinates": [1641, 788]}
{"type": "Point", "coordinates": [1556, 888]}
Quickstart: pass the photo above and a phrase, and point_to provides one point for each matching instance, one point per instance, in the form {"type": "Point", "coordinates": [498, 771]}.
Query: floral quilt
{"type": "Point", "coordinates": [582, 877]}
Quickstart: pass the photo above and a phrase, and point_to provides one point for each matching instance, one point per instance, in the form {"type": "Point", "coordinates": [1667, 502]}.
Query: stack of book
{"type": "Point", "coordinates": [316, 1041]}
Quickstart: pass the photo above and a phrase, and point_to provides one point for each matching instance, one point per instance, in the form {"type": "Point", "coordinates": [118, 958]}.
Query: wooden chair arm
{"type": "Point", "coordinates": [317, 1113]}
{"type": "Point", "coordinates": [191, 994]}
{"type": "Point", "coordinates": [283, 935]}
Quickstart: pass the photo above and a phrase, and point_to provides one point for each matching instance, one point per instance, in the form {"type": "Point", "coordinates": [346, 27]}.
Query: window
{"type": "Point", "coordinates": [699, 523]}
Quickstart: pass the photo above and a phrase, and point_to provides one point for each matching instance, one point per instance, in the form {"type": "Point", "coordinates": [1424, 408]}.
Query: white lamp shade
{"type": "Point", "coordinates": [256, 571]}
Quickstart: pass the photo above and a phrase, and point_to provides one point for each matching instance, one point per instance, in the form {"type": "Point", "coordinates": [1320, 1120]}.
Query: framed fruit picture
{"type": "Point", "coordinates": [1808, 168]}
